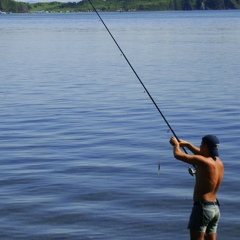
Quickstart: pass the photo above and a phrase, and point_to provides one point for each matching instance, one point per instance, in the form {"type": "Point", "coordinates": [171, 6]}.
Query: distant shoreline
{"type": "Point", "coordinates": [11, 6]}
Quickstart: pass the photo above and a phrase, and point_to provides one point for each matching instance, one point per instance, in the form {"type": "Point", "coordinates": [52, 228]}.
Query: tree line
{"type": "Point", "coordinates": [121, 5]}
{"type": "Point", "coordinates": [158, 5]}
{"type": "Point", "coordinates": [14, 7]}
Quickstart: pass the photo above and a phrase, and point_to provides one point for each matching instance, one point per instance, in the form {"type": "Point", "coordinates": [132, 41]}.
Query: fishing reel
{"type": "Point", "coordinates": [192, 171]}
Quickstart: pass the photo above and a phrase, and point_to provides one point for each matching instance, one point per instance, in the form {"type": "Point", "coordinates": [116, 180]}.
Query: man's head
{"type": "Point", "coordinates": [213, 143]}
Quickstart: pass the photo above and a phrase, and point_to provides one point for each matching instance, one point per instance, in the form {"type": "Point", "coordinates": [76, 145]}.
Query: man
{"type": "Point", "coordinates": [205, 214]}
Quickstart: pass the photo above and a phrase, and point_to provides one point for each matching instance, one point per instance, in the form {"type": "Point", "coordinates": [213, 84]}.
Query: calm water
{"type": "Point", "coordinates": [81, 140]}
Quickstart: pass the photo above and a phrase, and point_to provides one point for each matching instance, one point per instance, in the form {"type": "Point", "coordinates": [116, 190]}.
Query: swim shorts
{"type": "Point", "coordinates": [204, 218]}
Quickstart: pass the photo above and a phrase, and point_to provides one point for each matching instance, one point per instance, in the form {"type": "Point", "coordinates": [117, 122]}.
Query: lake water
{"type": "Point", "coordinates": [80, 138]}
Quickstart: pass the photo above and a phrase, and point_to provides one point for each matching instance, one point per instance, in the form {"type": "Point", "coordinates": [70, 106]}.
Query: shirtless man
{"type": "Point", "coordinates": [205, 214]}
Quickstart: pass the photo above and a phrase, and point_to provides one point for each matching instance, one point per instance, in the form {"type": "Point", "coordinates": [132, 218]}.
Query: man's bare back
{"type": "Point", "coordinates": [208, 180]}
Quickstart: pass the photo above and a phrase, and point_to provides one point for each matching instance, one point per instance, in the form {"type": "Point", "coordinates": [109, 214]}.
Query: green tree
{"type": "Point", "coordinates": [187, 5]}
{"type": "Point", "coordinates": [215, 4]}
{"type": "Point", "coordinates": [12, 6]}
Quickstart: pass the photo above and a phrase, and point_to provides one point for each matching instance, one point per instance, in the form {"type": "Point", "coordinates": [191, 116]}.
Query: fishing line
{"type": "Point", "coordinates": [190, 171]}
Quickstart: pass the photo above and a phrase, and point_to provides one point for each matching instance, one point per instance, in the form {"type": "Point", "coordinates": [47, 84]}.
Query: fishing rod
{"type": "Point", "coordinates": [191, 171]}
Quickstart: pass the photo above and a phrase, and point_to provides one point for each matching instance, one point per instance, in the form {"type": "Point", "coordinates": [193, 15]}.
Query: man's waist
{"type": "Point", "coordinates": [206, 203]}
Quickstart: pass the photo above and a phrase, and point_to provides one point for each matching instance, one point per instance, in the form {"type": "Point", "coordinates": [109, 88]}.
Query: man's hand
{"type": "Point", "coordinates": [173, 141]}
{"type": "Point", "coordinates": [183, 143]}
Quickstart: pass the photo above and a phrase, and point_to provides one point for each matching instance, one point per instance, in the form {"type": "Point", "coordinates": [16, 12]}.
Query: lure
{"type": "Point", "coordinates": [159, 168]}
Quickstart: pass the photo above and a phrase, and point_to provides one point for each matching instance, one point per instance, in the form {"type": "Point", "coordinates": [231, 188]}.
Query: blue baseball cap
{"type": "Point", "coordinates": [213, 143]}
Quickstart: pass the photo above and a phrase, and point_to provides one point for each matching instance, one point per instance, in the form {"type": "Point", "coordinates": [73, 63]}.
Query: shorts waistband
{"type": "Point", "coordinates": [206, 203]}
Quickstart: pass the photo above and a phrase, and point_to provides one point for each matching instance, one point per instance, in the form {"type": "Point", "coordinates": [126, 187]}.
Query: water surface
{"type": "Point", "coordinates": [80, 138]}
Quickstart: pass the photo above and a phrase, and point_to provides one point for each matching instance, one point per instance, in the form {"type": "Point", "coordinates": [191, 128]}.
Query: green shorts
{"type": "Point", "coordinates": [204, 217]}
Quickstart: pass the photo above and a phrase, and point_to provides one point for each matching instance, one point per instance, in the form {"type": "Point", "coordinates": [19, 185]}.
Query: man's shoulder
{"type": "Point", "coordinates": [204, 161]}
